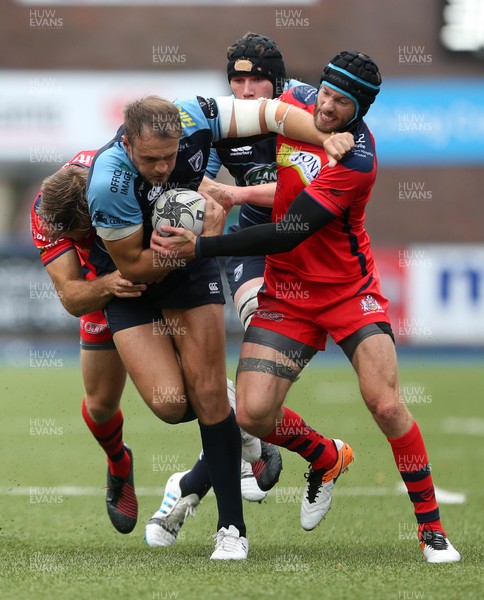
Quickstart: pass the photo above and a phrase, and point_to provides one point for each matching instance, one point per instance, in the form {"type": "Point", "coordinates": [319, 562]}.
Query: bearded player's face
{"type": "Point", "coordinates": [153, 156]}
{"type": "Point", "coordinates": [333, 110]}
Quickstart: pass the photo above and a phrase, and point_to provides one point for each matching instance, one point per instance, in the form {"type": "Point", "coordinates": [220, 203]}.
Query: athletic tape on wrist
{"type": "Point", "coordinates": [277, 126]}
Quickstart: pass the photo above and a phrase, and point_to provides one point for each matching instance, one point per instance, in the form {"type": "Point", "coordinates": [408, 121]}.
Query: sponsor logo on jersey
{"type": "Point", "coordinates": [120, 180]}
{"type": "Point", "coordinates": [114, 220]}
{"type": "Point", "coordinates": [209, 107]}
{"type": "Point", "coordinates": [81, 159]}
{"type": "Point", "coordinates": [154, 193]}
{"type": "Point", "coordinates": [184, 144]}
{"type": "Point", "coordinates": [196, 161]}
{"type": "Point", "coordinates": [362, 148]}
{"type": "Point", "coordinates": [362, 156]}
{"type": "Point", "coordinates": [185, 118]}
{"type": "Point", "coordinates": [304, 94]}
{"type": "Point", "coordinates": [213, 287]}
{"type": "Point", "coordinates": [269, 315]}
{"type": "Point", "coordinates": [93, 328]}
{"type": "Point", "coordinates": [370, 305]}
{"type": "Point", "coordinates": [306, 164]}
{"type": "Point", "coordinates": [242, 151]}
{"type": "Point", "coordinates": [261, 174]}
{"type": "Point", "coordinates": [238, 271]}
{"type": "Point", "coordinates": [99, 217]}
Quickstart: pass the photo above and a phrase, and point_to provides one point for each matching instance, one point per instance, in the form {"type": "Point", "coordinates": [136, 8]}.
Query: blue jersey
{"type": "Point", "coordinates": [120, 198]}
{"type": "Point", "coordinates": [249, 165]}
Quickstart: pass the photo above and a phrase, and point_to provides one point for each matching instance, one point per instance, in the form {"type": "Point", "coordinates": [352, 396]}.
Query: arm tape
{"type": "Point", "coordinates": [270, 115]}
{"type": "Point", "coordinates": [246, 114]}
{"type": "Point", "coordinates": [225, 107]}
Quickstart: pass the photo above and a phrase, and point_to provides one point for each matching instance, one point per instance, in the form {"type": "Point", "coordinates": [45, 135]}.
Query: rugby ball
{"type": "Point", "coordinates": [179, 207]}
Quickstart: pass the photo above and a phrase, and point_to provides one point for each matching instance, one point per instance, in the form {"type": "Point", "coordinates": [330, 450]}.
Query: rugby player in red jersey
{"type": "Point", "coordinates": [64, 250]}
{"type": "Point", "coordinates": [321, 279]}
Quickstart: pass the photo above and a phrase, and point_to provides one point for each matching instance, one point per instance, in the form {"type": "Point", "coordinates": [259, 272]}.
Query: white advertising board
{"type": "Point", "coordinates": [445, 295]}
{"type": "Point", "coordinates": [46, 116]}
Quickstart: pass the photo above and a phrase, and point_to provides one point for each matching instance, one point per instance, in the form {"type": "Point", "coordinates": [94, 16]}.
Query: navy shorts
{"type": "Point", "coordinates": [197, 284]}
{"type": "Point", "coordinates": [240, 269]}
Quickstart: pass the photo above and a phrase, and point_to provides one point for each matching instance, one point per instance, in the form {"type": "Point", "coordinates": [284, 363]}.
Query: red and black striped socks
{"type": "Point", "coordinates": [109, 435]}
{"type": "Point", "coordinates": [293, 434]}
{"type": "Point", "coordinates": [413, 464]}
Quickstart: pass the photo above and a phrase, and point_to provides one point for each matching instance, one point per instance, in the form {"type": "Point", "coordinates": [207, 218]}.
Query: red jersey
{"type": "Point", "coordinates": [340, 252]}
{"type": "Point", "coordinates": [49, 250]}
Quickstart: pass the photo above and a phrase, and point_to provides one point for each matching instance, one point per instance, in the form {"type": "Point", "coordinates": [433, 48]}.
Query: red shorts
{"type": "Point", "coordinates": [95, 332]}
{"type": "Point", "coordinates": [307, 311]}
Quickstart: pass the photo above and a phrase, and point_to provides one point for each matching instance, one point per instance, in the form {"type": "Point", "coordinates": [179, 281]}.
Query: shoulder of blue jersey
{"type": "Point", "coordinates": [110, 174]}
{"type": "Point", "coordinates": [195, 111]}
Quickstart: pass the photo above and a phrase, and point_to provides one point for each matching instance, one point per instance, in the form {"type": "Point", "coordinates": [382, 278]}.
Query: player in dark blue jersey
{"type": "Point", "coordinates": [171, 339]}
{"type": "Point", "coordinates": [255, 69]}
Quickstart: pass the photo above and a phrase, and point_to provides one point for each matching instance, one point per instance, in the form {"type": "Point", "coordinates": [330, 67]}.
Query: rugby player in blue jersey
{"type": "Point", "coordinates": [172, 339]}
{"type": "Point", "coordinates": [255, 69]}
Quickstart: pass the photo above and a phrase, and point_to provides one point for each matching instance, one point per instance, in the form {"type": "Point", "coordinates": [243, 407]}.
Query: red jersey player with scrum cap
{"type": "Point", "coordinates": [64, 247]}
{"type": "Point", "coordinates": [321, 279]}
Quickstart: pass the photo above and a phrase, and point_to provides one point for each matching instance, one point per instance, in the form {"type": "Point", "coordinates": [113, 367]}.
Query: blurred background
{"type": "Point", "coordinates": [68, 67]}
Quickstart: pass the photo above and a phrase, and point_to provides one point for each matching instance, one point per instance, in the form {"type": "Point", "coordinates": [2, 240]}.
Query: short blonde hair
{"type": "Point", "coordinates": [154, 115]}
{"type": "Point", "coordinates": [63, 205]}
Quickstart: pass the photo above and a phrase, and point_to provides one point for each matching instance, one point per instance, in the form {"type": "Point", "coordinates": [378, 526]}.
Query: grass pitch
{"type": "Point", "coordinates": [56, 540]}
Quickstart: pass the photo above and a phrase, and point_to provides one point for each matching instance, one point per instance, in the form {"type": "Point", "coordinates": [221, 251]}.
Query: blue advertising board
{"type": "Point", "coordinates": [430, 121]}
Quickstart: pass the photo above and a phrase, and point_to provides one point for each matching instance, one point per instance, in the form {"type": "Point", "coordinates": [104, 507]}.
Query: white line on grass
{"type": "Point", "coordinates": [71, 490]}
{"type": "Point", "coordinates": [464, 426]}
{"type": "Point", "coordinates": [443, 496]}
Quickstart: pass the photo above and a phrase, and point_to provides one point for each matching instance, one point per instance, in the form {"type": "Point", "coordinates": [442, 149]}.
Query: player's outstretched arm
{"type": "Point", "coordinates": [229, 196]}
{"type": "Point", "coordinates": [246, 118]}
{"type": "Point", "coordinates": [80, 296]}
{"type": "Point", "coordinates": [268, 238]}
{"type": "Point", "coordinates": [292, 122]}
